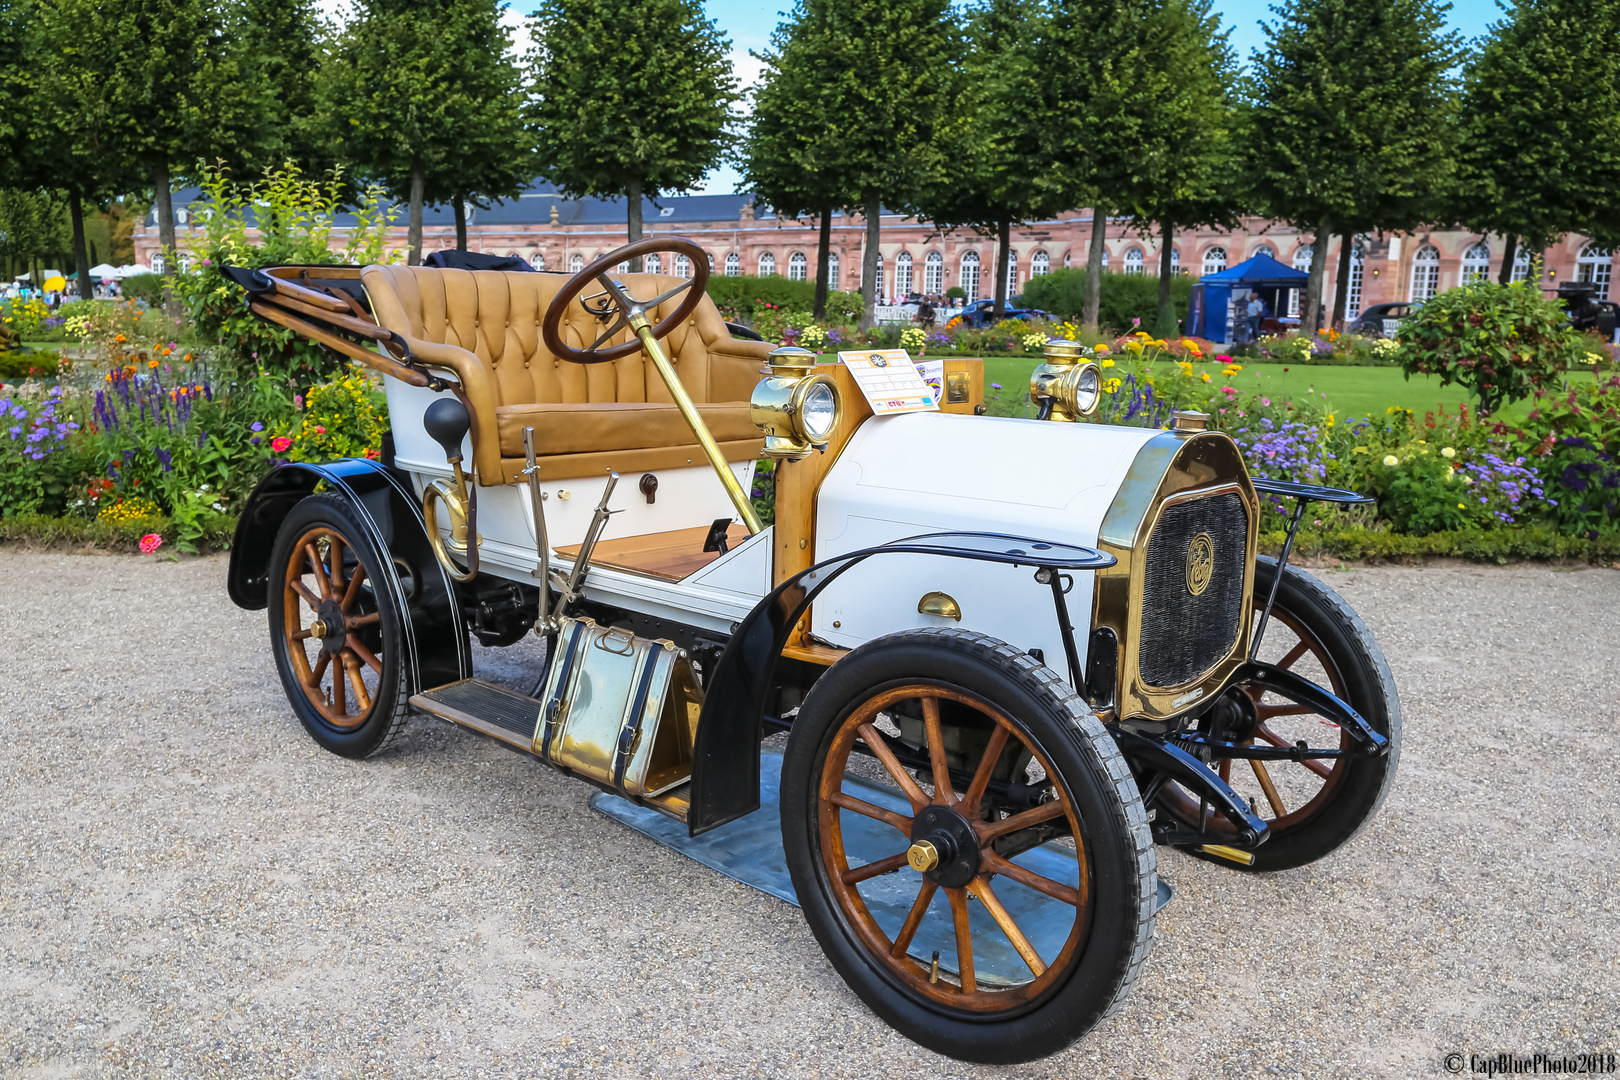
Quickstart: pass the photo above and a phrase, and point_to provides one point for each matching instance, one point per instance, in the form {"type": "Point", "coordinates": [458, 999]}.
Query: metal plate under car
{"type": "Point", "coordinates": [749, 850]}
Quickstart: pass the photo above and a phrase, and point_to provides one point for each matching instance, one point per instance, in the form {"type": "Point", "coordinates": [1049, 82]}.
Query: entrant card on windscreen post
{"type": "Point", "coordinates": [890, 381]}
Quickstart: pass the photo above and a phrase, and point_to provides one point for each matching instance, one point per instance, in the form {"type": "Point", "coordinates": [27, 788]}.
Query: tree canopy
{"type": "Point", "coordinates": [1352, 111]}
{"type": "Point", "coordinates": [1539, 133]}
{"type": "Point", "coordinates": [630, 97]}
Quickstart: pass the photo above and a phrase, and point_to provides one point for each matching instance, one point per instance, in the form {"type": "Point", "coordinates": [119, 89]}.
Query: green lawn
{"type": "Point", "coordinates": [1351, 391]}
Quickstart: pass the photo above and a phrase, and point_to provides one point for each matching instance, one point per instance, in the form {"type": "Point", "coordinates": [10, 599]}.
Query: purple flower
{"type": "Point", "coordinates": [256, 426]}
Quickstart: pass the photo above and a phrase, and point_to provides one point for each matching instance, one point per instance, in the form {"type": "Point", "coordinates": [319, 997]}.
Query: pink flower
{"type": "Point", "coordinates": [150, 543]}
{"type": "Point", "coordinates": [281, 444]}
{"type": "Point", "coordinates": [1223, 358]}
{"type": "Point", "coordinates": [319, 430]}
{"type": "Point", "coordinates": [1230, 391]}
{"type": "Point", "coordinates": [298, 401]}
{"type": "Point", "coordinates": [1265, 401]}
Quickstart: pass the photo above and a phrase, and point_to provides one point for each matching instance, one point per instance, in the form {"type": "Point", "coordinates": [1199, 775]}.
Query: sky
{"type": "Point", "coordinates": [749, 23]}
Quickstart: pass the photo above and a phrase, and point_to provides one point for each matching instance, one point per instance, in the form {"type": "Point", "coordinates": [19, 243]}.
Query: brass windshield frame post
{"type": "Point", "coordinates": [683, 402]}
{"type": "Point", "coordinates": [544, 623]}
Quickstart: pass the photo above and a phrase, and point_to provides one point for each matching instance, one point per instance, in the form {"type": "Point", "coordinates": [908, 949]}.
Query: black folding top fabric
{"type": "Point", "coordinates": [476, 260]}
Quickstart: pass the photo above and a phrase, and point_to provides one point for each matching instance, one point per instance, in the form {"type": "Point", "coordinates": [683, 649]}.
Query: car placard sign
{"type": "Point", "coordinates": [890, 380]}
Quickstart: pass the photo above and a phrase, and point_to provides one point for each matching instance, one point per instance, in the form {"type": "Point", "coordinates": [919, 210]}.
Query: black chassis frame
{"type": "Point", "coordinates": [740, 687]}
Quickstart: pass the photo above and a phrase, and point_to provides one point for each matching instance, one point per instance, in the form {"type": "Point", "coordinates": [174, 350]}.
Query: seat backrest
{"type": "Point", "coordinates": [496, 315]}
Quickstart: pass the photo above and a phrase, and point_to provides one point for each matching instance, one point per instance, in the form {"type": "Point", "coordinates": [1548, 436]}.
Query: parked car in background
{"type": "Point", "coordinates": [1380, 320]}
{"type": "Point", "coordinates": [981, 313]}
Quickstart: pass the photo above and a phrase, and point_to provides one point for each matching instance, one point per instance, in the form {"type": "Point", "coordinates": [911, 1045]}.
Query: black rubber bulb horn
{"type": "Point", "coordinates": [447, 421]}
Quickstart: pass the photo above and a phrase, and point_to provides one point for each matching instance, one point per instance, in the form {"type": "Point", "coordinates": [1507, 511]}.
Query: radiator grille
{"type": "Point", "coordinates": [1183, 635]}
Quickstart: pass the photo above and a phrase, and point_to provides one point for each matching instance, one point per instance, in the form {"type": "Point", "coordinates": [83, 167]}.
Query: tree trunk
{"type": "Point", "coordinates": [869, 260]}
{"type": "Point", "coordinates": [1003, 266]}
{"type": "Point", "coordinates": [633, 224]}
{"type": "Point", "coordinates": [1510, 251]}
{"type": "Point", "coordinates": [1341, 287]}
{"type": "Point", "coordinates": [1094, 266]}
{"type": "Point", "coordinates": [81, 258]}
{"type": "Point", "coordinates": [1311, 316]}
{"type": "Point", "coordinates": [823, 249]}
{"type": "Point", "coordinates": [460, 206]}
{"type": "Point", "coordinates": [414, 233]}
{"type": "Point", "coordinates": [1165, 324]}
{"type": "Point", "coordinates": [165, 209]}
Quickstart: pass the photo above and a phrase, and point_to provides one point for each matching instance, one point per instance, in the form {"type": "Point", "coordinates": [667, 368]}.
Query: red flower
{"type": "Point", "coordinates": [280, 444]}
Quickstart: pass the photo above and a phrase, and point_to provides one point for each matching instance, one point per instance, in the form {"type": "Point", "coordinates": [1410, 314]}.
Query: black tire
{"type": "Point", "coordinates": [1355, 669]}
{"type": "Point", "coordinates": [1111, 932]}
{"type": "Point", "coordinates": [376, 722]}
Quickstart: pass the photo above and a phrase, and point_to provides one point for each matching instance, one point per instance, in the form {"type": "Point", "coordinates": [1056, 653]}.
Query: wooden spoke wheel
{"type": "Point", "coordinates": [334, 630]}
{"type": "Point", "coordinates": [1315, 805]}
{"type": "Point", "coordinates": [961, 848]}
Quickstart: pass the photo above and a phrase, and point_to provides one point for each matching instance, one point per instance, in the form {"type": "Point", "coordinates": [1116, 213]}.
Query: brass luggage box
{"type": "Point", "coordinates": [619, 709]}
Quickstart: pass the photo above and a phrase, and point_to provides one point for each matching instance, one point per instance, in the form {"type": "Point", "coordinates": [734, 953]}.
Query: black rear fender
{"type": "Point", "coordinates": [436, 648]}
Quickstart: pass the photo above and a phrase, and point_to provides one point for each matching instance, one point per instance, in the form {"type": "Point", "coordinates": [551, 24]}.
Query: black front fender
{"type": "Point", "coordinates": [435, 637]}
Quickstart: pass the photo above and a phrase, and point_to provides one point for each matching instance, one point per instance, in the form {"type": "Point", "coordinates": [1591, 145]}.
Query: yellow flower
{"type": "Point", "coordinates": [1333, 418]}
{"type": "Point", "coordinates": [1102, 348]}
{"type": "Point", "coordinates": [1460, 506]}
{"type": "Point", "coordinates": [1189, 343]}
{"type": "Point", "coordinates": [1111, 386]}
{"type": "Point", "coordinates": [1205, 376]}
{"type": "Point", "coordinates": [1391, 460]}
{"type": "Point", "coordinates": [1448, 453]}
{"type": "Point", "coordinates": [1107, 362]}
{"type": "Point", "coordinates": [1134, 346]}
{"type": "Point", "coordinates": [1358, 450]}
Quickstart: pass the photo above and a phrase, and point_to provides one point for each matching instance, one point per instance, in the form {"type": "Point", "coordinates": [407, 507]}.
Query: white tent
{"type": "Point", "coordinates": [44, 275]}
{"type": "Point", "coordinates": [132, 269]}
{"type": "Point", "coordinates": [102, 271]}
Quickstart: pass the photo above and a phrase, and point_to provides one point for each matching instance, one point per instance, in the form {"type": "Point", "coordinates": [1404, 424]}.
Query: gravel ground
{"type": "Point", "coordinates": [189, 887]}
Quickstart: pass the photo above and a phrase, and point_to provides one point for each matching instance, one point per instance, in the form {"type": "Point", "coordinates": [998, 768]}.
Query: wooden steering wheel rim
{"type": "Point", "coordinates": [549, 329]}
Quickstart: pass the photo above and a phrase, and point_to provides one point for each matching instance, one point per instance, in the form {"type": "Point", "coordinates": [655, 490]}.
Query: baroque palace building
{"type": "Point", "coordinates": [558, 234]}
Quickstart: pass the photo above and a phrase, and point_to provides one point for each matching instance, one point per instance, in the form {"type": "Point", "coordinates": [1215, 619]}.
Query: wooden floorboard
{"type": "Point", "coordinates": [669, 555]}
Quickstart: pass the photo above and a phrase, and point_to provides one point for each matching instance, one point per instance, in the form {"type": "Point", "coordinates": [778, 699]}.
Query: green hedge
{"type": "Point", "coordinates": [1123, 297]}
{"type": "Point", "coordinates": [1537, 542]}
{"type": "Point", "coordinates": [739, 295]}
{"type": "Point", "coordinates": [43, 531]}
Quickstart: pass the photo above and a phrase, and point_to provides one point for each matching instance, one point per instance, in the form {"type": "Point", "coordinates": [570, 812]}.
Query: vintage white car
{"type": "Point", "coordinates": [1009, 655]}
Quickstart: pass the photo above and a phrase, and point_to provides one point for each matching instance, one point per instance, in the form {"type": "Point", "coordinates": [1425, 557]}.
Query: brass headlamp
{"type": "Point", "coordinates": [447, 422]}
{"type": "Point", "coordinates": [1067, 386]}
{"type": "Point", "coordinates": [796, 408]}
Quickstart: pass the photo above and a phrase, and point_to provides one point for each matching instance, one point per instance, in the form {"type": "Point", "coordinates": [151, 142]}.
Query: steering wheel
{"type": "Point", "coordinates": [615, 298]}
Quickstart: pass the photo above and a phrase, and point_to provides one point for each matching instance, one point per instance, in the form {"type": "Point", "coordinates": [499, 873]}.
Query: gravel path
{"type": "Point", "coordinates": [189, 887]}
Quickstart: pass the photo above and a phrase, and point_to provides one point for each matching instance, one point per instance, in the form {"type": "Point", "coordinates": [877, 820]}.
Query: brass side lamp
{"type": "Point", "coordinates": [795, 407]}
{"type": "Point", "coordinates": [1067, 386]}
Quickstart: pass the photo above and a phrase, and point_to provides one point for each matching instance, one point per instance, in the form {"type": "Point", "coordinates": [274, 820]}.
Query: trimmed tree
{"type": "Point", "coordinates": [991, 185]}
{"type": "Point", "coordinates": [1539, 150]}
{"type": "Point", "coordinates": [789, 153]}
{"type": "Point", "coordinates": [630, 98]}
{"type": "Point", "coordinates": [277, 59]}
{"type": "Point", "coordinates": [422, 95]}
{"type": "Point", "coordinates": [1356, 108]}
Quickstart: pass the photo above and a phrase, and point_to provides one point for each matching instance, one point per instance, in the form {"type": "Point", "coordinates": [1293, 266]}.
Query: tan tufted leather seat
{"type": "Point", "coordinates": [485, 326]}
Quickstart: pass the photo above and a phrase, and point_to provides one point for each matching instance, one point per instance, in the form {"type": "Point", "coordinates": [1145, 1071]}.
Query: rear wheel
{"type": "Point", "coordinates": [1317, 805]}
{"type": "Point", "coordinates": [335, 631]}
{"type": "Point", "coordinates": [968, 846]}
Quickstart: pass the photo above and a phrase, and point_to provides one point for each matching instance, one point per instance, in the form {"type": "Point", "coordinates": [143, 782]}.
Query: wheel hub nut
{"type": "Point", "coordinates": [317, 629]}
{"type": "Point", "coordinates": [923, 856]}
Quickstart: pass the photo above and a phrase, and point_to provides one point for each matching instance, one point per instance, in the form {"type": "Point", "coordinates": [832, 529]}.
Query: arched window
{"type": "Point", "coordinates": [1425, 273]}
{"type": "Point", "coordinates": [934, 273]}
{"type": "Point", "coordinates": [652, 264]}
{"type": "Point", "coordinates": [1040, 264]}
{"type": "Point", "coordinates": [1012, 273]}
{"type": "Point", "coordinates": [1105, 258]}
{"type": "Point", "coordinates": [622, 268]}
{"type": "Point", "coordinates": [158, 262]}
{"type": "Point", "coordinates": [184, 259]}
{"type": "Point", "coordinates": [537, 260]}
{"type": "Point", "coordinates": [1521, 264]}
{"type": "Point", "coordinates": [879, 278]}
{"type": "Point", "coordinates": [1302, 263]}
{"type": "Point", "coordinates": [1134, 261]}
{"type": "Point", "coordinates": [1175, 261]}
{"type": "Point", "coordinates": [513, 255]}
{"type": "Point", "coordinates": [970, 275]}
{"type": "Point", "coordinates": [683, 266]}
{"type": "Point", "coordinates": [1352, 295]}
{"type": "Point", "coordinates": [767, 265]}
{"type": "Point", "coordinates": [832, 271]}
{"type": "Point", "coordinates": [1476, 264]}
{"type": "Point", "coordinates": [576, 263]}
{"type": "Point", "coordinates": [1263, 249]}
{"type": "Point", "coordinates": [1068, 259]}
{"type": "Point", "coordinates": [1595, 265]}
{"type": "Point", "coordinates": [798, 267]}
{"type": "Point", "coordinates": [902, 274]}
{"type": "Point", "coordinates": [733, 265]}
{"type": "Point", "coordinates": [1214, 260]}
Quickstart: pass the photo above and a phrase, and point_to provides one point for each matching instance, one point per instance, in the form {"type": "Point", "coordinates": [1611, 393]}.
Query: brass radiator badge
{"type": "Point", "coordinates": [1200, 563]}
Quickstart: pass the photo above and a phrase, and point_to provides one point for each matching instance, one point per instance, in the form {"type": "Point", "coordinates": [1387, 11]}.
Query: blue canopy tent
{"type": "Point", "coordinates": [1216, 310]}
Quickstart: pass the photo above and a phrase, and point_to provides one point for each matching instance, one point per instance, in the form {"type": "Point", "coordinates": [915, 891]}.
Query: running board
{"type": "Point", "coordinates": [510, 718]}
{"type": "Point", "coordinates": [504, 715]}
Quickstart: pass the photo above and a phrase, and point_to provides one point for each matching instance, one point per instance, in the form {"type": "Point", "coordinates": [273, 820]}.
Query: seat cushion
{"type": "Point", "coordinates": [623, 425]}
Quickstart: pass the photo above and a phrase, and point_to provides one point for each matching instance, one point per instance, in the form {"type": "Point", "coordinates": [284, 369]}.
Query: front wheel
{"type": "Point", "coordinates": [967, 844]}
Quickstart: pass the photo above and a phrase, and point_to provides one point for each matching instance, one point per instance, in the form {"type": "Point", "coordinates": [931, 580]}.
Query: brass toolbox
{"type": "Point", "coordinates": [619, 709]}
